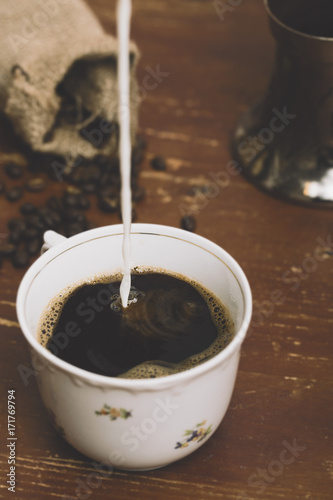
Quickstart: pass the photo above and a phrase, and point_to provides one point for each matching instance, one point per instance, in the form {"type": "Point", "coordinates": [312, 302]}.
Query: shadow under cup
{"type": "Point", "coordinates": [87, 408]}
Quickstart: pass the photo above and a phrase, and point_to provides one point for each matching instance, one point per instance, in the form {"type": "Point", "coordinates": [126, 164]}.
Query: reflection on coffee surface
{"type": "Point", "coordinates": [171, 324]}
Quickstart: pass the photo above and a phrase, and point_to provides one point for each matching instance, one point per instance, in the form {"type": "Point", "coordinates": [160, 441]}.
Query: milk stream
{"type": "Point", "coordinates": [123, 23]}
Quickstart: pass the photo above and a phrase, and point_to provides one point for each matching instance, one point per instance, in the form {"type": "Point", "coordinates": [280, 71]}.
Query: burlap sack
{"type": "Point", "coordinates": [58, 77]}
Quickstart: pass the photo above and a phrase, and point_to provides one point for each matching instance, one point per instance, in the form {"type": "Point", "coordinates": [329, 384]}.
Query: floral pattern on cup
{"type": "Point", "coordinates": [114, 413]}
{"type": "Point", "coordinates": [199, 433]}
{"type": "Point", "coordinates": [57, 427]}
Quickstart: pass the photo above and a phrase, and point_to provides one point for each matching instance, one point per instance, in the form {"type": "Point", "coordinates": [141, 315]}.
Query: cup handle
{"type": "Point", "coordinates": [51, 239]}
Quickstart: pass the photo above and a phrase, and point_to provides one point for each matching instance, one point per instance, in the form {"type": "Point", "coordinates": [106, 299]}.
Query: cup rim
{"type": "Point", "coordinates": [151, 383]}
{"type": "Point", "coordinates": [290, 29]}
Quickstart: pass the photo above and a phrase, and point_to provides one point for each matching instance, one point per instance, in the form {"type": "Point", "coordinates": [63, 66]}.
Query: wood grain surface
{"type": "Point", "coordinates": [213, 70]}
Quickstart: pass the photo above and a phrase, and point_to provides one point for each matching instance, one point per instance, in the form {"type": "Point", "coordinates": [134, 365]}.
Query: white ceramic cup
{"type": "Point", "coordinates": [124, 423]}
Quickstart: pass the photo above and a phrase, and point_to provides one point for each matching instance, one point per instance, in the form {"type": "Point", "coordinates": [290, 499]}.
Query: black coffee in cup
{"type": "Point", "coordinates": [171, 324]}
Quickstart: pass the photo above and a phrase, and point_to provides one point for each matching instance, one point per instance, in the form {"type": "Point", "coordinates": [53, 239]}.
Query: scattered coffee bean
{"type": "Point", "coordinates": [134, 215]}
{"type": "Point", "coordinates": [33, 247]}
{"type": "Point", "coordinates": [28, 209]}
{"type": "Point", "coordinates": [7, 249]}
{"type": "Point", "coordinates": [56, 217]}
{"type": "Point", "coordinates": [104, 180]}
{"type": "Point", "coordinates": [102, 161]}
{"type": "Point", "coordinates": [81, 219]}
{"type": "Point", "coordinates": [89, 188]}
{"type": "Point", "coordinates": [83, 203]}
{"type": "Point", "coordinates": [85, 173]}
{"type": "Point", "coordinates": [108, 192]}
{"type": "Point", "coordinates": [140, 143]}
{"type": "Point", "coordinates": [71, 215]}
{"type": "Point", "coordinates": [20, 258]}
{"type": "Point", "coordinates": [108, 204]}
{"type": "Point", "coordinates": [35, 166]}
{"type": "Point", "coordinates": [73, 190]}
{"type": "Point", "coordinates": [16, 224]}
{"type": "Point", "coordinates": [31, 233]}
{"type": "Point", "coordinates": [14, 194]}
{"type": "Point", "coordinates": [158, 163]}
{"type": "Point", "coordinates": [36, 221]}
{"type": "Point", "coordinates": [202, 190]}
{"type": "Point", "coordinates": [69, 200]}
{"type": "Point", "coordinates": [114, 180]}
{"type": "Point", "coordinates": [46, 218]}
{"type": "Point", "coordinates": [72, 229]}
{"type": "Point", "coordinates": [138, 193]}
{"type": "Point", "coordinates": [138, 150]}
{"type": "Point", "coordinates": [137, 156]}
{"type": "Point", "coordinates": [36, 185]}
{"type": "Point", "coordinates": [13, 170]}
{"type": "Point", "coordinates": [100, 177]}
{"type": "Point", "coordinates": [15, 237]}
{"type": "Point", "coordinates": [188, 223]}
{"type": "Point", "coordinates": [55, 204]}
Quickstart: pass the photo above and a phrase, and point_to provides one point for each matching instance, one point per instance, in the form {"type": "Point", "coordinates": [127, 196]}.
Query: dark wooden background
{"type": "Point", "coordinates": [217, 68]}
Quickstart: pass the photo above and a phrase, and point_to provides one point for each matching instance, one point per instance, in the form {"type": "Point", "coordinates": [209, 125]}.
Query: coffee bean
{"type": "Point", "coordinates": [7, 249]}
{"type": "Point", "coordinates": [81, 219]}
{"type": "Point", "coordinates": [69, 200]}
{"type": "Point", "coordinates": [36, 221]}
{"type": "Point", "coordinates": [33, 247]}
{"type": "Point", "coordinates": [83, 203]}
{"type": "Point", "coordinates": [89, 188]}
{"type": "Point", "coordinates": [140, 143]}
{"type": "Point", "coordinates": [108, 204]}
{"type": "Point", "coordinates": [16, 224]}
{"type": "Point", "coordinates": [27, 209]}
{"type": "Point", "coordinates": [73, 190]}
{"type": "Point", "coordinates": [102, 161]}
{"type": "Point", "coordinates": [138, 150]}
{"type": "Point", "coordinates": [202, 190]}
{"type": "Point", "coordinates": [35, 166]}
{"type": "Point", "coordinates": [48, 221]}
{"type": "Point", "coordinates": [20, 258]}
{"type": "Point", "coordinates": [108, 192]}
{"type": "Point", "coordinates": [158, 163]}
{"type": "Point", "coordinates": [49, 217]}
{"type": "Point", "coordinates": [31, 233]}
{"type": "Point", "coordinates": [137, 156]}
{"type": "Point", "coordinates": [138, 193]}
{"type": "Point", "coordinates": [93, 173]}
{"type": "Point", "coordinates": [72, 229]}
{"type": "Point", "coordinates": [36, 185]}
{"type": "Point", "coordinates": [134, 214]}
{"type": "Point", "coordinates": [13, 170]}
{"type": "Point", "coordinates": [188, 223]}
{"type": "Point", "coordinates": [56, 217]}
{"type": "Point", "coordinates": [2, 187]}
{"type": "Point", "coordinates": [104, 180]}
{"type": "Point", "coordinates": [84, 174]}
{"type": "Point", "coordinates": [71, 215]}
{"type": "Point", "coordinates": [15, 237]}
{"type": "Point", "coordinates": [14, 194]}
{"type": "Point", "coordinates": [55, 204]}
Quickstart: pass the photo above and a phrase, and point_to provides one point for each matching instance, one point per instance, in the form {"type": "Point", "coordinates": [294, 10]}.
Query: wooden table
{"type": "Point", "coordinates": [213, 70]}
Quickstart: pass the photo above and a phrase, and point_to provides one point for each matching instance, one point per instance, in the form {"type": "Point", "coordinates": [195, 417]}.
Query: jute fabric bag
{"type": "Point", "coordinates": [58, 82]}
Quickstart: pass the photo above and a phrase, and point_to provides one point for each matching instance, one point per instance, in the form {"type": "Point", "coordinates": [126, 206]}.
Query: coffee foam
{"type": "Point", "coordinates": [148, 369]}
